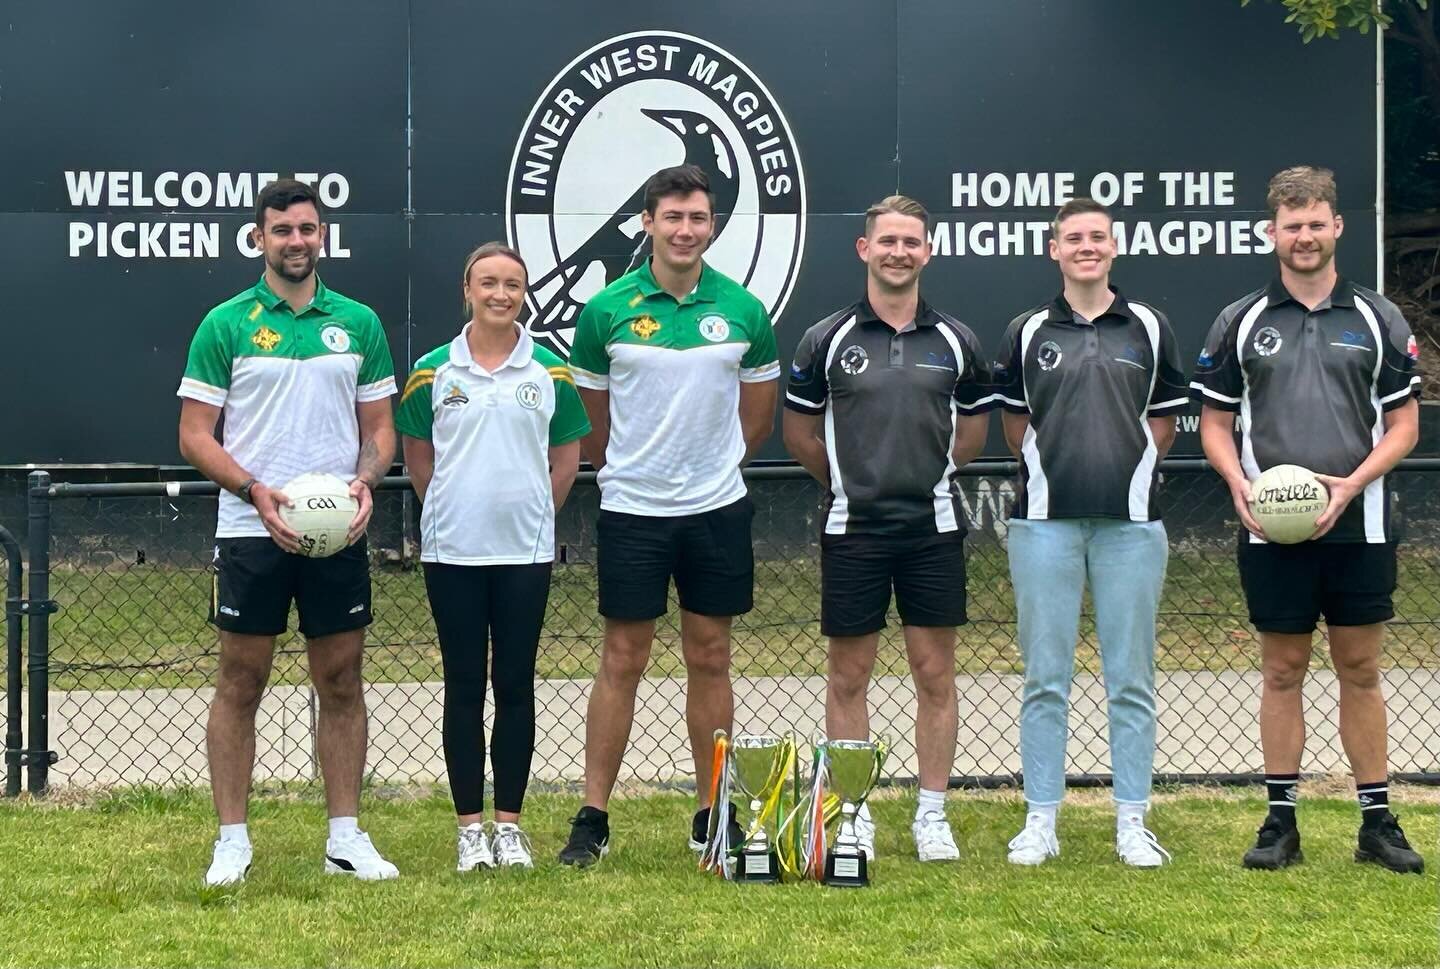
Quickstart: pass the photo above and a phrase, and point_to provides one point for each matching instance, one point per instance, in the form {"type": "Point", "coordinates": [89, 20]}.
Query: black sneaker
{"type": "Point", "coordinates": [1276, 846]}
{"type": "Point", "coordinates": [700, 829]}
{"type": "Point", "coordinates": [589, 838]}
{"type": "Point", "coordinates": [1384, 843]}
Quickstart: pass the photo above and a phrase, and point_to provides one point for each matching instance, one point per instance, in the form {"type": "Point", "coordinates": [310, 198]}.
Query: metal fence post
{"type": "Point", "coordinates": [14, 611]}
{"type": "Point", "coordinates": [38, 606]}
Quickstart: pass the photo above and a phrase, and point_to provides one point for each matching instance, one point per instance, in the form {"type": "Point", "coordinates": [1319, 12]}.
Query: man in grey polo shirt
{"type": "Point", "coordinates": [1321, 371]}
{"type": "Point", "coordinates": [901, 391]}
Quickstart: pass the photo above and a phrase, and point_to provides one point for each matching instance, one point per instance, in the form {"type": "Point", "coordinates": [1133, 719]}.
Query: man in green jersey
{"type": "Point", "coordinates": [303, 378]}
{"type": "Point", "coordinates": [677, 367]}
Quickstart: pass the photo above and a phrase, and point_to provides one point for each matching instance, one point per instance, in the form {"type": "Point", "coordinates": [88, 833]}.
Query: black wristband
{"type": "Point", "coordinates": [243, 492]}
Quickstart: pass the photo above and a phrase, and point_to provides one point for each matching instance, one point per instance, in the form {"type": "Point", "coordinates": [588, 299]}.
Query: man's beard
{"type": "Point", "coordinates": [286, 273]}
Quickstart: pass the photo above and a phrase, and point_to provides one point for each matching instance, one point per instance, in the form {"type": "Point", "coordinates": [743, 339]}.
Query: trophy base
{"type": "Point", "coordinates": [847, 870]}
{"type": "Point", "coordinates": [758, 866]}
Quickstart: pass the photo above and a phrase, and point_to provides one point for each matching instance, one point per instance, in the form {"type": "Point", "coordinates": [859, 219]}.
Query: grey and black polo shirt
{"type": "Point", "coordinates": [1089, 387]}
{"type": "Point", "coordinates": [1312, 386]}
{"type": "Point", "coordinates": [890, 400]}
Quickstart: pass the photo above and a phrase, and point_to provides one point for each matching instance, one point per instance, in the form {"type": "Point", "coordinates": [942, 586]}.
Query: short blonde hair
{"type": "Point", "coordinates": [1300, 186]}
{"type": "Point", "coordinates": [896, 205]}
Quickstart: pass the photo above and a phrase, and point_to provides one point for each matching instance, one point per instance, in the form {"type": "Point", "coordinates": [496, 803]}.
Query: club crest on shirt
{"type": "Point", "coordinates": [265, 338]}
{"type": "Point", "coordinates": [1267, 341]}
{"type": "Point", "coordinates": [335, 338]}
{"type": "Point", "coordinates": [645, 327]}
{"type": "Point", "coordinates": [1049, 355]}
{"type": "Point", "coordinates": [714, 328]}
{"type": "Point", "coordinates": [528, 394]}
{"type": "Point", "coordinates": [455, 396]}
{"type": "Point", "coordinates": [854, 360]}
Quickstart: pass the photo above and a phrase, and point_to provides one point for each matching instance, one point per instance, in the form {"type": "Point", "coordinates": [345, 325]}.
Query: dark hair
{"type": "Point", "coordinates": [1299, 187]}
{"type": "Point", "coordinates": [679, 180]}
{"type": "Point", "coordinates": [485, 252]}
{"type": "Point", "coordinates": [283, 194]}
{"type": "Point", "coordinates": [1080, 206]}
{"type": "Point", "coordinates": [897, 205]}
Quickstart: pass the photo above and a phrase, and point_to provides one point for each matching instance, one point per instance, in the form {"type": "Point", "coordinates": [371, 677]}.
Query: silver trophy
{"type": "Point", "coordinates": [758, 765]}
{"type": "Point", "coordinates": [852, 770]}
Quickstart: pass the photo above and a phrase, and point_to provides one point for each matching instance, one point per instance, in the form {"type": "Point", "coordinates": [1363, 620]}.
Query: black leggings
{"type": "Point", "coordinates": [475, 607]}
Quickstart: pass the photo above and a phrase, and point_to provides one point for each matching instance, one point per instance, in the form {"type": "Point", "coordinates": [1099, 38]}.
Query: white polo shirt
{"type": "Point", "coordinates": [490, 501]}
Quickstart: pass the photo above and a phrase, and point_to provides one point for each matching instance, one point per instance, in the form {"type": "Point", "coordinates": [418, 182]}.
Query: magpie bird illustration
{"type": "Point", "coordinates": [620, 244]}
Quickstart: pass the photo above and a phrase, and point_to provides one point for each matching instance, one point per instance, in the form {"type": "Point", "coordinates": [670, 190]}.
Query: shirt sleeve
{"type": "Point", "coordinates": [208, 367]}
{"type": "Point", "coordinates": [808, 388]}
{"type": "Point", "coordinates": [1397, 381]}
{"type": "Point", "coordinates": [569, 422]}
{"type": "Point", "coordinates": [1007, 374]}
{"type": "Point", "coordinates": [762, 361]}
{"type": "Point", "coordinates": [973, 391]}
{"type": "Point", "coordinates": [1170, 395]}
{"type": "Point", "coordinates": [377, 368]}
{"type": "Point", "coordinates": [416, 414]}
{"type": "Point", "coordinates": [589, 355]}
{"type": "Point", "coordinates": [1218, 381]}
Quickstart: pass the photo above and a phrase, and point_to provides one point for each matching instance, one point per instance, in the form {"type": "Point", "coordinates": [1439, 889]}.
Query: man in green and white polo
{"type": "Point", "coordinates": [677, 366]}
{"type": "Point", "coordinates": [303, 379]}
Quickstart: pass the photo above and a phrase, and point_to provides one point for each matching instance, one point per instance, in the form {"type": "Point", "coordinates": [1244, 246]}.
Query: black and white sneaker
{"type": "Point", "coordinates": [353, 854]}
{"type": "Point", "coordinates": [589, 838]}
{"type": "Point", "coordinates": [1385, 844]}
{"type": "Point", "coordinates": [700, 829]}
{"type": "Point", "coordinates": [1276, 846]}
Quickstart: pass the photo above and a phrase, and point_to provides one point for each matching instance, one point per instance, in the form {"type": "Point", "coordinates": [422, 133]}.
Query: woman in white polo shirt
{"type": "Point", "coordinates": [492, 427]}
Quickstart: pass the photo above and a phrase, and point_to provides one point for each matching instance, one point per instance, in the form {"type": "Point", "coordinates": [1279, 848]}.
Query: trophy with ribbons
{"type": "Point", "coordinates": [851, 770]}
{"type": "Point", "coordinates": [760, 764]}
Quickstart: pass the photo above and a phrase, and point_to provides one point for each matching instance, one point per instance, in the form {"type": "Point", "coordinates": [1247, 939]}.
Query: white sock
{"type": "Point", "coordinates": [1046, 813]}
{"type": "Point", "coordinates": [1130, 813]}
{"type": "Point", "coordinates": [931, 802]}
{"type": "Point", "coordinates": [235, 832]}
{"type": "Point", "coordinates": [343, 827]}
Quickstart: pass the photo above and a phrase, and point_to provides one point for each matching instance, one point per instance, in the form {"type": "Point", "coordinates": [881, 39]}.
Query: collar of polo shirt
{"type": "Point", "coordinates": [704, 291]}
{"type": "Point", "coordinates": [924, 315]}
{"type": "Point", "coordinates": [1060, 311]}
{"type": "Point", "coordinates": [1342, 295]}
{"type": "Point", "coordinates": [267, 298]}
{"type": "Point", "coordinates": [461, 357]}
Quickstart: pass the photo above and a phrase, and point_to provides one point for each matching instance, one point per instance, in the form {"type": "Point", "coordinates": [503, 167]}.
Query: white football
{"type": "Point", "coordinates": [322, 512]}
{"type": "Point", "coordinates": [1286, 500]}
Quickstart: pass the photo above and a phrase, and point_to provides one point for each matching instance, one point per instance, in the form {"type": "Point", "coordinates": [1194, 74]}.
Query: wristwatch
{"type": "Point", "coordinates": [244, 490]}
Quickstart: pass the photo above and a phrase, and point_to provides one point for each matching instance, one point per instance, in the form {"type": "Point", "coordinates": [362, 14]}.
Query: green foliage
{"type": "Point", "coordinates": [1326, 18]}
{"type": "Point", "coordinates": [91, 886]}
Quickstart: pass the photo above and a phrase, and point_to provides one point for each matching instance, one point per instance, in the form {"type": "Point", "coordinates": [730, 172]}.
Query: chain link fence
{"type": "Point", "coordinates": [130, 657]}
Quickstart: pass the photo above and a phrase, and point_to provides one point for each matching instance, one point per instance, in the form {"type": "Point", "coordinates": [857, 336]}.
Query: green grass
{"type": "Point", "coordinates": [117, 882]}
{"type": "Point", "coordinates": [141, 626]}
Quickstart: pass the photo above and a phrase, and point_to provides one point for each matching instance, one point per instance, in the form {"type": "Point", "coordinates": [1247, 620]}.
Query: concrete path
{"type": "Point", "coordinates": [1207, 724]}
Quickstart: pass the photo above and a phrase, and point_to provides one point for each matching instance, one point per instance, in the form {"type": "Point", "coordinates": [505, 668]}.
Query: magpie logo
{"type": "Point", "coordinates": [854, 360]}
{"type": "Point", "coordinates": [1049, 355]}
{"type": "Point", "coordinates": [610, 119]}
{"type": "Point", "coordinates": [1267, 341]}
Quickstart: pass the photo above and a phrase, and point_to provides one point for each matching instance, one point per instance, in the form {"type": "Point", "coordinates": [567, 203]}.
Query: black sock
{"type": "Point", "coordinates": [1374, 802]}
{"type": "Point", "coordinates": [1283, 789]}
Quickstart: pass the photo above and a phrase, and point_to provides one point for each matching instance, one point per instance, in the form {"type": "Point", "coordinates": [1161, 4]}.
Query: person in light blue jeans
{"type": "Point", "coordinates": [1091, 384]}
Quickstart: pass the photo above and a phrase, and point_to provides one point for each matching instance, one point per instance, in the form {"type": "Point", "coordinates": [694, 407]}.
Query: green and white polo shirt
{"type": "Point", "coordinates": [673, 370]}
{"type": "Point", "coordinates": [490, 502]}
{"type": "Point", "coordinates": [288, 383]}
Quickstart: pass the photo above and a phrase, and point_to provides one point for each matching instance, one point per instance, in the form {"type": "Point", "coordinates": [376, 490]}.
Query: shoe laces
{"type": "Point", "coordinates": [225, 850]}
{"type": "Point", "coordinates": [594, 828]}
{"type": "Point", "coordinates": [1389, 829]}
{"type": "Point", "coordinates": [1269, 833]}
{"type": "Point", "coordinates": [511, 843]}
{"type": "Point", "coordinates": [1137, 837]}
{"type": "Point", "coordinates": [472, 837]}
{"type": "Point", "coordinates": [1035, 834]}
{"type": "Point", "coordinates": [357, 843]}
{"type": "Point", "coordinates": [932, 828]}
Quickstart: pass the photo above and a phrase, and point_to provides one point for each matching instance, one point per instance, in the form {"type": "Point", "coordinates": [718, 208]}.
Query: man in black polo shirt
{"type": "Point", "coordinates": [1091, 384]}
{"type": "Point", "coordinates": [1322, 373]}
{"type": "Point", "coordinates": [901, 391]}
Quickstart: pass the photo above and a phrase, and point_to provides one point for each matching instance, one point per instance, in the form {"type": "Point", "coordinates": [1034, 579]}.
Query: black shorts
{"type": "Point", "coordinates": [255, 581]}
{"type": "Point", "coordinates": [858, 571]}
{"type": "Point", "coordinates": [1288, 587]}
{"type": "Point", "coordinates": [709, 555]}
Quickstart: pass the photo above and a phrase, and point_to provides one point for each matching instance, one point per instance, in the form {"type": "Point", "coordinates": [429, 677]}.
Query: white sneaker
{"type": "Point", "coordinates": [230, 864]}
{"type": "Point", "coordinates": [1035, 843]}
{"type": "Point", "coordinates": [353, 854]}
{"type": "Point", "coordinates": [933, 838]}
{"type": "Point", "coordinates": [1138, 847]}
{"type": "Point", "coordinates": [512, 846]}
{"type": "Point", "coordinates": [864, 831]}
{"type": "Point", "coordinates": [473, 848]}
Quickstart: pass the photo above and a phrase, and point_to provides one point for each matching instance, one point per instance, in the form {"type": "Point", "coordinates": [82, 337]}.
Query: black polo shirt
{"type": "Point", "coordinates": [1089, 387]}
{"type": "Point", "coordinates": [1312, 386]}
{"type": "Point", "coordinates": [890, 401]}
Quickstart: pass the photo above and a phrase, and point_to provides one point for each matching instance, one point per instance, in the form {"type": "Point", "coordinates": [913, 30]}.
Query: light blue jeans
{"type": "Point", "coordinates": [1125, 563]}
